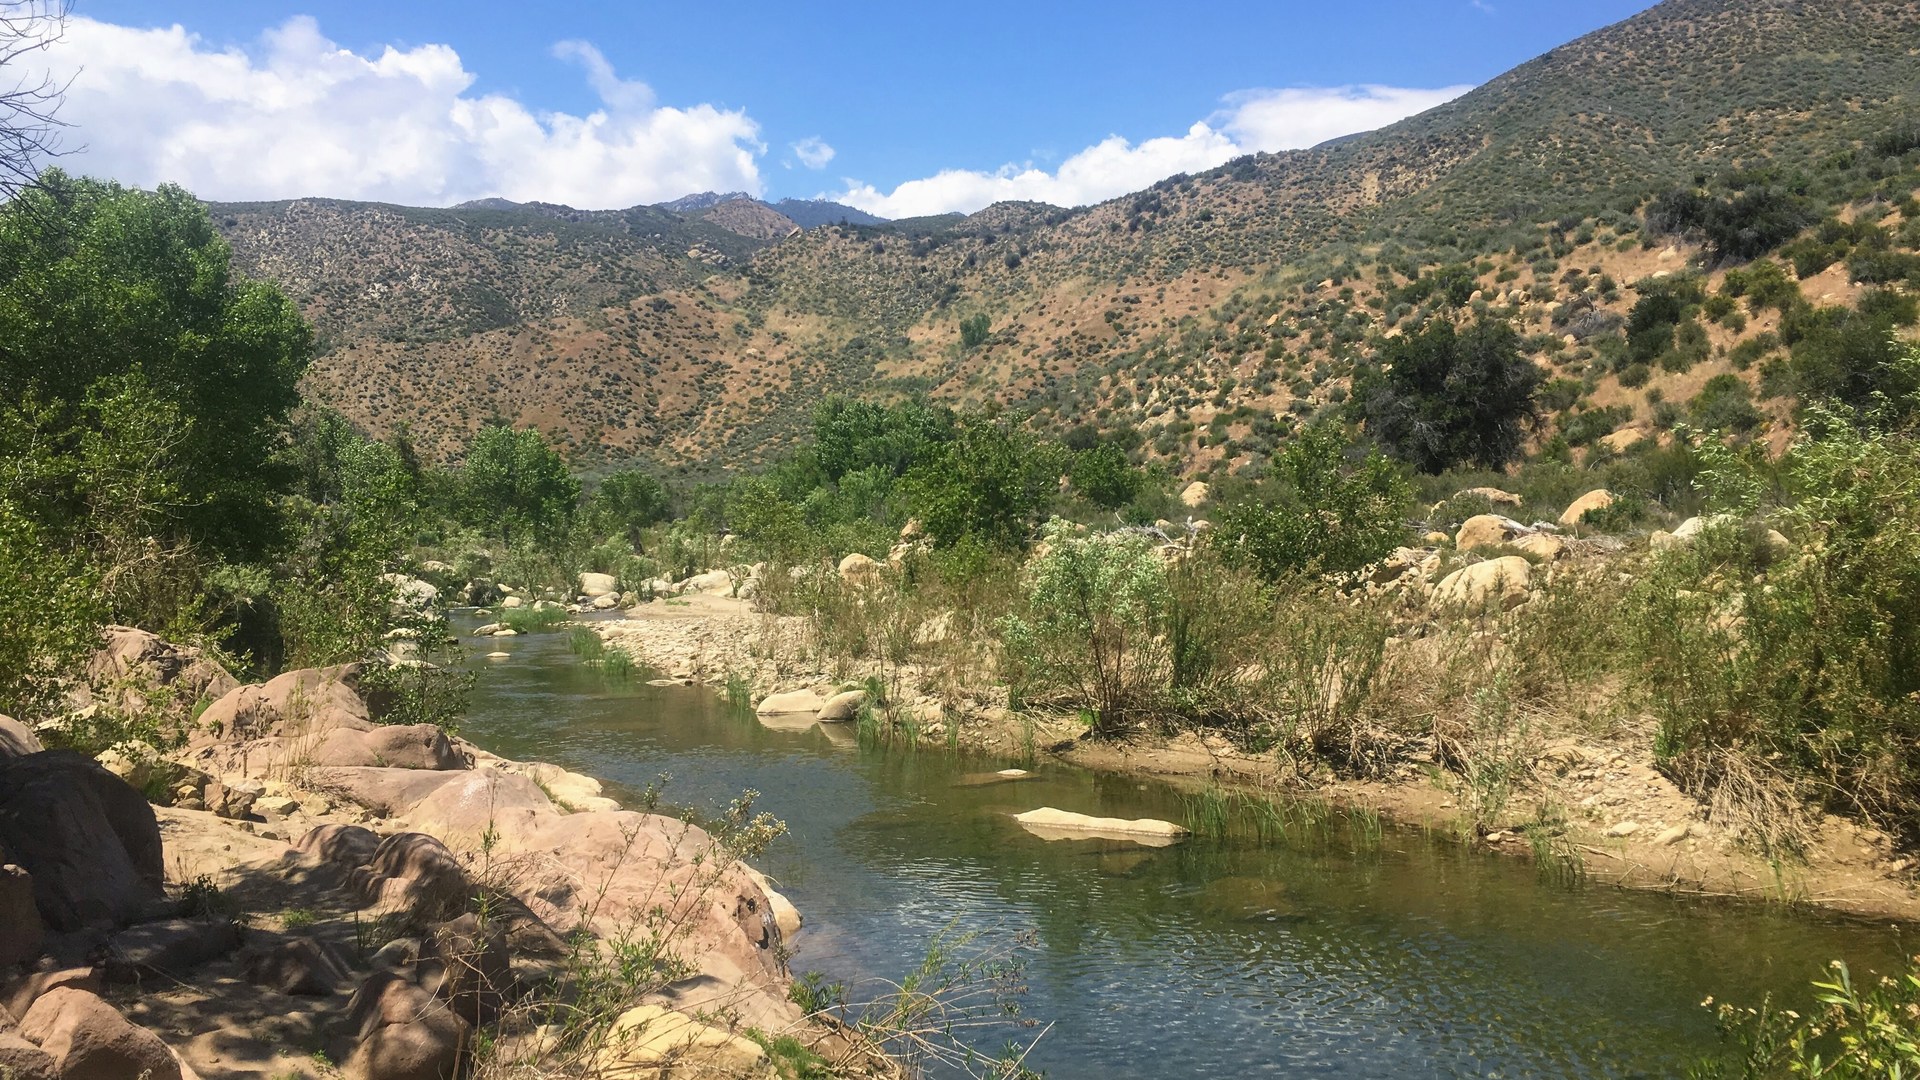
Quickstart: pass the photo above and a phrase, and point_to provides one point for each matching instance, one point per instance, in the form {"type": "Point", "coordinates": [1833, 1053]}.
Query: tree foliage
{"type": "Point", "coordinates": [1330, 514]}
{"type": "Point", "coordinates": [121, 322]}
{"type": "Point", "coordinates": [989, 484]}
{"type": "Point", "coordinates": [1452, 397]}
{"type": "Point", "coordinates": [514, 484]}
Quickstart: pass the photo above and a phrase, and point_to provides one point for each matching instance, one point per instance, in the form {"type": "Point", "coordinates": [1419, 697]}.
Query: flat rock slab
{"type": "Point", "coordinates": [1050, 824]}
{"type": "Point", "coordinates": [988, 779]}
{"type": "Point", "coordinates": [169, 947]}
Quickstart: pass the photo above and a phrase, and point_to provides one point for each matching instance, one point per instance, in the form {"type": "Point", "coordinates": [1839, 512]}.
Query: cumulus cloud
{"type": "Point", "coordinates": [1250, 121]}
{"type": "Point", "coordinates": [299, 115]}
{"type": "Point", "coordinates": [813, 152]}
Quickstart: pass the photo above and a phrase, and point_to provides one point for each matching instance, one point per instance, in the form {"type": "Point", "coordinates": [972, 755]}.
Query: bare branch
{"type": "Point", "coordinates": [30, 94]}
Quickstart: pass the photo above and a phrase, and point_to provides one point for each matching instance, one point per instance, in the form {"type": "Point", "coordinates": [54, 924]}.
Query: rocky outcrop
{"type": "Point", "coordinates": [403, 1032]}
{"type": "Point", "coordinates": [90, 842]}
{"type": "Point", "coordinates": [1495, 496]}
{"type": "Point", "coordinates": [134, 656]}
{"type": "Point", "coordinates": [651, 1042]}
{"type": "Point", "coordinates": [21, 930]}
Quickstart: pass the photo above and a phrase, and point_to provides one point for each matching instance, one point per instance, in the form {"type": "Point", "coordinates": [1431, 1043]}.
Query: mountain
{"type": "Point", "coordinates": [705, 200]}
{"type": "Point", "coordinates": [812, 213]}
{"type": "Point", "coordinates": [1209, 311]}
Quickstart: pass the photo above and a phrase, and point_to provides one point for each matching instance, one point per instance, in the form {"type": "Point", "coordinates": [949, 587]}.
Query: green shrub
{"type": "Point", "coordinates": [1091, 631]}
{"type": "Point", "coordinates": [1328, 515]}
{"type": "Point", "coordinates": [1856, 1033]}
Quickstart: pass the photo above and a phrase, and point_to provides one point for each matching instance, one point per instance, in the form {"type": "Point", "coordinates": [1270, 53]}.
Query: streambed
{"type": "Point", "coordinates": [1339, 952]}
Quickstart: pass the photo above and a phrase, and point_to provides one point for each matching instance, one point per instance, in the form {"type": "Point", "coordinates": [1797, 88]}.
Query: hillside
{"type": "Point", "coordinates": [1205, 311]}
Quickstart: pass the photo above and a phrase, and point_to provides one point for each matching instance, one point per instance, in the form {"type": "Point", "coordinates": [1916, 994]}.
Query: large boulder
{"type": "Point", "coordinates": [842, 707]}
{"type": "Point", "coordinates": [1486, 531]}
{"type": "Point", "coordinates": [402, 1032]}
{"type": "Point", "coordinates": [465, 963]}
{"type": "Point", "coordinates": [416, 874]}
{"type": "Point", "coordinates": [1495, 496]}
{"type": "Point", "coordinates": [300, 967]}
{"type": "Point", "coordinates": [1500, 583]}
{"type": "Point", "coordinates": [592, 585]}
{"type": "Point", "coordinates": [1195, 495]}
{"type": "Point", "coordinates": [1576, 511]}
{"type": "Point", "coordinates": [478, 803]}
{"type": "Point", "coordinates": [88, 1039]}
{"type": "Point", "coordinates": [410, 593]}
{"type": "Point", "coordinates": [169, 948]}
{"type": "Point", "coordinates": [21, 930]}
{"type": "Point", "coordinates": [713, 581]}
{"type": "Point", "coordinates": [90, 842]}
{"type": "Point", "coordinates": [16, 739]}
{"type": "Point", "coordinates": [791, 703]}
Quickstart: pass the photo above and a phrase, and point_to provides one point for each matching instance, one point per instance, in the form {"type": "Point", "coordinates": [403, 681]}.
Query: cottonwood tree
{"type": "Point", "coordinates": [30, 95]}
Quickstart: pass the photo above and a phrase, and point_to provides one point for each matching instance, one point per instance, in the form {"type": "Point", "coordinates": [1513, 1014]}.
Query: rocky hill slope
{"type": "Point", "coordinates": [1245, 293]}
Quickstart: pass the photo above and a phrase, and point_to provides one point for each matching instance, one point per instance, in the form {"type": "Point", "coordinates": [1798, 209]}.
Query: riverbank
{"type": "Point", "coordinates": [317, 894]}
{"type": "Point", "coordinates": [1611, 816]}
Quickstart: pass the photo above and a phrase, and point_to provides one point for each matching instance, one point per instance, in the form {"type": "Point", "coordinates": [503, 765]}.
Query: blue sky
{"type": "Point", "coordinates": [996, 96]}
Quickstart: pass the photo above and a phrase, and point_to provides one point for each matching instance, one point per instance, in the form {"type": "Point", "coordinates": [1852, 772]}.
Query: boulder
{"type": "Point", "coordinates": [16, 739]}
{"type": "Point", "coordinates": [344, 846]}
{"type": "Point", "coordinates": [842, 707]}
{"type": "Point", "coordinates": [476, 803]}
{"type": "Point", "coordinates": [1576, 511]}
{"type": "Point", "coordinates": [1495, 496]}
{"type": "Point", "coordinates": [605, 602]}
{"type": "Point", "coordinates": [399, 746]}
{"type": "Point", "coordinates": [511, 602]}
{"type": "Point", "coordinates": [713, 581]}
{"type": "Point", "coordinates": [169, 948]}
{"type": "Point", "coordinates": [592, 585]}
{"type": "Point", "coordinates": [90, 842]}
{"type": "Point", "coordinates": [22, 933]}
{"type": "Point", "coordinates": [300, 967]}
{"type": "Point", "coordinates": [1487, 530]}
{"type": "Point", "coordinates": [403, 1032]}
{"type": "Point", "coordinates": [651, 1042]}
{"type": "Point", "coordinates": [410, 593]}
{"type": "Point", "coordinates": [21, 1060]}
{"type": "Point", "coordinates": [1620, 439]}
{"type": "Point", "coordinates": [1498, 583]}
{"type": "Point", "coordinates": [859, 569]}
{"type": "Point", "coordinates": [1195, 495]}
{"type": "Point", "coordinates": [231, 797]}
{"type": "Point", "coordinates": [20, 996]}
{"type": "Point", "coordinates": [88, 1039]}
{"type": "Point", "coordinates": [793, 702]}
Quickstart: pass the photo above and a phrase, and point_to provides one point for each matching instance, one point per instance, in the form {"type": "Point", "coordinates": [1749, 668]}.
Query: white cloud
{"type": "Point", "coordinates": [813, 152]}
{"type": "Point", "coordinates": [1253, 120]}
{"type": "Point", "coordinates": [299, 115]}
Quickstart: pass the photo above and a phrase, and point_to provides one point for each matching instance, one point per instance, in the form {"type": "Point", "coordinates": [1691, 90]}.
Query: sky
{"type": "Point", "coordinates": [897, 109]}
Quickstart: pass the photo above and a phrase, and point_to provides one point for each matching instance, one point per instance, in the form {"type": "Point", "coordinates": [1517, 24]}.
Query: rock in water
{"type": "Point", "coordinates": [1051, 824]}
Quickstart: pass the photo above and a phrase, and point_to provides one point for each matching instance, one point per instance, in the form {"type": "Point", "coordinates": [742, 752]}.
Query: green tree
{"type": "Point", "coordinates": [1448, 397]}
{"type": "Point", "coordinates": [1329, 515]}
{"type": "Point", "coordinates": [974, 330]}
{"type": "Point", "coordinates": [513, 483]}
{"type": "Point", "coordinates": [112, 298]}
{"type": "Point", "coordinates": [626, 503]}
{"type": "Point", "coordinates": [989, 484]}
{"type": "Point", "coordinates": [1105, 476]}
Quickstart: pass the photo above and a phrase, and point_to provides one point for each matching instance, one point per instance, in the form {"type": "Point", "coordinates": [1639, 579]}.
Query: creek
{"type": "Point", "coordinates": [1339, 951]}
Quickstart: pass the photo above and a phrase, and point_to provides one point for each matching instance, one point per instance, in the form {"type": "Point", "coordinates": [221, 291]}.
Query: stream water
{"type": "Point", "coordinates": [1334, 954]}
